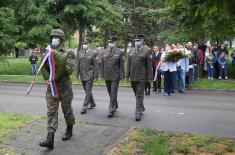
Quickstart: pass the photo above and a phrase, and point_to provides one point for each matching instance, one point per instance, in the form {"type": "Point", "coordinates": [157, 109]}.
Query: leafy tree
{"type": "Point", "coordinates": [8, 31]}
{"type": "Point", "coordinates": [82, 14]}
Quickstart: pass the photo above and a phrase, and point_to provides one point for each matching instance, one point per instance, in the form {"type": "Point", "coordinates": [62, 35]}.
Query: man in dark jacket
{"type": "Point", "coordinates": [156, 56]}
{"type": "Point", "coordinates": [88, 70]}
{"type": "Point", "coordinates": [139, 71]}
{"type": "Point", "coordinates": [33, 59]}
{"type": "Point", "coordinates": [193, 61]}
{"type": "Point", "coordinates": [112, 71]}
{"type": "Point", "coordinates": [216, 55]}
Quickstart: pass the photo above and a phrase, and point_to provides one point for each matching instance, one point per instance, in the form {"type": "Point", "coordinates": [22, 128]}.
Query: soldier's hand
{"type": "Point", "coordinates": [47, 82]}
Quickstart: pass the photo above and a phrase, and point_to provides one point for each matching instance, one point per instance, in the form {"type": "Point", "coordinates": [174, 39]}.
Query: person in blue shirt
{"type": "Point", "coordinates": [223, 65]}
{"type": "Point", "coordinates": [182, 68]}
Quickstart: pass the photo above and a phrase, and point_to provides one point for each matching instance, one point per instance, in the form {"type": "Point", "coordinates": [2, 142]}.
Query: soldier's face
{"type": "Point", "coordinates": [85, 46]}
{"type": "Point", "coordinates": [111, 45]}
{"type": "Point", "coordinates": [55, 41]}
{"type": "Point", "coordinates": [138, 43]}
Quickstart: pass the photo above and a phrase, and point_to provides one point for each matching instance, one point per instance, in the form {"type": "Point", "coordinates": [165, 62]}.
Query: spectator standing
{"type": "Point", "coordinates": [199, 63]}
{"type": "Point", "coordinates": [233, 59]}
{"type": "Point", "coordinates": [192, 62]}
{"type": "Point", "coordinates": [33, 59]}
{"type": "Point", "coordinates": [223, 65]}
{"type": "Point", "coordinates": [156, 57]}
{"type": "Point", "coordinates": [182, 68]}
{"type": "Point", "coordinates": [210, 61]}
{"type": "Point", "coordinates": [215, 53]}
{"type": "Point", "coordinates": [169, 69]}
{"type": "Point", "coordinates": [207, 52]}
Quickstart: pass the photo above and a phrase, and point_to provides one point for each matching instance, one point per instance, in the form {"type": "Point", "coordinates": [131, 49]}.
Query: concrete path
{"type": "Point", "coordinates": [198, 111]}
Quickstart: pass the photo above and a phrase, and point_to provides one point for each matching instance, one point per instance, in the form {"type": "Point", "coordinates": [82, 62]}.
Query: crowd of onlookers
{"type": "Point", "coordinates": [211, 61]}
{"type": "Point", "coordinates": [204, 61]}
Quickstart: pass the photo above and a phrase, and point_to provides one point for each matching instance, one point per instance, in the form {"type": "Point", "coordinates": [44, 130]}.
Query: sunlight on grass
{"type": "Point", "coordinates": [152, 142]}
{"type": "Point", "coordinates": [13, 121]}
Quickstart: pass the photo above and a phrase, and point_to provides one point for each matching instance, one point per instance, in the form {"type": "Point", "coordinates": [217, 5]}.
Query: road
{"type": "Point", "coordinates": [198, 111]}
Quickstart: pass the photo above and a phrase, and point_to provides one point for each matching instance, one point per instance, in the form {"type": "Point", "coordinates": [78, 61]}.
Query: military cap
{"type": "Point", "coordinates": [58, 32]}
{"type": "Point", "coordinates": [138, 37]}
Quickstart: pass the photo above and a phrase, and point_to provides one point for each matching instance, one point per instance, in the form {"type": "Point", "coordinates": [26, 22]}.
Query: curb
{"type": "Point", "coordinates": [102, 85]}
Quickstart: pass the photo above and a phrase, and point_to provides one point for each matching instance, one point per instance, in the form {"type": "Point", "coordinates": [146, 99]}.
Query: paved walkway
{"type": "Point", "coordinates": [88, 139]}
{"type": "Point", "coordinates": [200, 112]}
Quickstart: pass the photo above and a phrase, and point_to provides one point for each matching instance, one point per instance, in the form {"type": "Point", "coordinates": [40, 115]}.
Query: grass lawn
{"type": "Point", "coordinates": [19, 70]}
{"type": "Point", "coordinates": [151, 142]}
{"type": "Point", "coordinates": [214, 84]}
{"type": "Point", "coordinates": [13, 66]}
{"type": "Point", "coordinates": [9, 124]}
{"type": "Point", "coordinates": [28, 79]}
{"type": "Point", "coordinates": [201, 84]}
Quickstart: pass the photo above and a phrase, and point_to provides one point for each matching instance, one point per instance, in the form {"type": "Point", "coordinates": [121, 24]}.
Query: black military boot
{"type": "Point", "coordinates": [83, 111]}
{"type": "Point", "coordinates": [138, 117]}
{"type": "Point", "coordinates": [69, 133]}
{"type": "Point", "coordinates": [49, 143]}
{"type": "Point", "coordinates": [110, 114]}
{"type": "Point", "coordinates": [92, 106]}
{"type": "Point", "coordinates": [117, 105]}
{"type": "Point", "coordinates": [146, 92]}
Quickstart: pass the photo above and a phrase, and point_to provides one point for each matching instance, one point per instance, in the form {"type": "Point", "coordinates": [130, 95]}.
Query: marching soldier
{"type": "Point", "coordinates": [139, 71]}
{"type": "Point", "coordinates": [88, 70]}
{"type": "Point", "coordinates": [64, 90]}
{"type": "Point", "coordinates": [99, 51]}
{"type": "Point", "coordinates": [112, 71]}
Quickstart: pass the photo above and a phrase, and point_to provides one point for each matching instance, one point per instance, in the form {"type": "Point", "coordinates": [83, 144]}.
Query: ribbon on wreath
{"type": "Point", "coordinates": [50, 56]}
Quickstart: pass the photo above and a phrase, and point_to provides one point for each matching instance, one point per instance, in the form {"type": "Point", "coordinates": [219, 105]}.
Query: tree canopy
{"type": "Point", "coordinates": [27, 23]}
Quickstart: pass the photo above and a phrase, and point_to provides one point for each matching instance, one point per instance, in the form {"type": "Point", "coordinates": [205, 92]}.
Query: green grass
{"type": "Point", "coordinates": [157, 144]}
{"type": "Point", "coordinates": [19, 70]}
{"type": "Point", "coordinates": [28, 79]}
{"type": "Point", "coordinates": [214, 84]}
{"type": "Point", "coordinates": [152, 142]}
{"type": "Point", "coordinates": [201, 84]}
{"type": "Point", "coordinates": [13, 121]}
{"type": "Point", "coordinates": [9, 124]}
{"type": "Point", "coordinates": [16, 66]}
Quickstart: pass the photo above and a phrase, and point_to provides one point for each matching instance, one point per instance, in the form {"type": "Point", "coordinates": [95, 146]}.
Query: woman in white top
{"type": "Point", "coordinates": [169, 69]}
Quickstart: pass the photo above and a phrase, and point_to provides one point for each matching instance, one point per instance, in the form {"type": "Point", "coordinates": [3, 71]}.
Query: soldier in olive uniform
{"type": "Point", "coordinates": [139, 71]}
{"type": "Point", "coordinates": [64, 86]}
{"type": "Point", "coordinates": [88, 70]}
{"type": "Point", "coordinates": [99, 51]}
{"type": "Point", "coordinates": [112, 71]}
